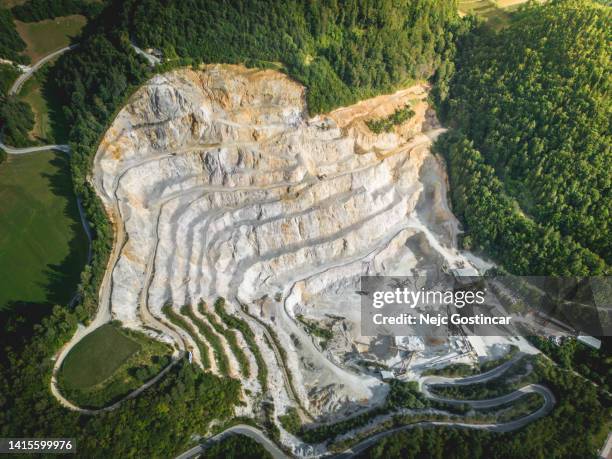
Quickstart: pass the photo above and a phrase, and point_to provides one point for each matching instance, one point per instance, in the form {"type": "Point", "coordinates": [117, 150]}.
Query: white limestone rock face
{"type": "Point", "coordinates": [225, 187]}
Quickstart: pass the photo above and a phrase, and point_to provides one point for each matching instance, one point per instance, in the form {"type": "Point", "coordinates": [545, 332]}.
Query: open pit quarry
{"type": "Point", "coordinates": [219, 184]}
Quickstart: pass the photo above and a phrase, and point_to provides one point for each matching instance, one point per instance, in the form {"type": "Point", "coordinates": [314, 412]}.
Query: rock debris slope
{"type": "Point", "coordinates": [224, 187]}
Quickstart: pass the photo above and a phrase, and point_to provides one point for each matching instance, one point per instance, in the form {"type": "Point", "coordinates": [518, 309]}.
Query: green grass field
{"type": "Point", "coordinates": [110, 363]}
{"type": "Point", "coordinates": [42, 37]}
{"type": "Point", "coordinates": [496, 13]}
{"type": "Point", "coordinates": [96, 357]}
{"type": "Point", "coordinates": [43, 247]}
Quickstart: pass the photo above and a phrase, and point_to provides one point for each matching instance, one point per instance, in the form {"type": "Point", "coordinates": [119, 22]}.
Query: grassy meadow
{"type": "Point", "coordinates": [43, 37]}
{"type": "Point", "coordinates": [495, 12]}
{"type": "Point", "coordinates": [43, 247]}
{"type": "Point", "coordinates": [97, 356]}
{"type": "Point", "coordinates": [109, 363]}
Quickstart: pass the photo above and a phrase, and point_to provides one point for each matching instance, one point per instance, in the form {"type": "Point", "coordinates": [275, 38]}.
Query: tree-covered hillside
{"type": "Point", "coordinates": [339, 50]}
{"type": "Point", "coordinates": [534, 99]}
{"type": "Point", "coordinates": [159, 423]}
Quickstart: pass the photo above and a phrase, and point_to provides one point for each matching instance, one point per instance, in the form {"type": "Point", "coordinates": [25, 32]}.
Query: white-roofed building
{"type": "Point", "coordinates": [589, 341]}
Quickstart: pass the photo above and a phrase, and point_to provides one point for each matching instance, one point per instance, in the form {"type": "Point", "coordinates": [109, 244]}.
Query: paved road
{"type": "Point", "coordinates": [490, 402]}
{"type": "Point", "coordinates": [547, 406]}
{"type": "Point", "coordinates": [24, 76]}
{"type": "Point", "coordinates": [549, 402]}
{"type": "Point", "coordinates": [481, 377]}
{"type": "Point", "coordinates": [26, 150]}
{"type": "Point", "coordinates": [607, 448]}
{"type": "Point", "coordinates": [371, 441]}
{"type": "Point", "coordinates": [242, 429]}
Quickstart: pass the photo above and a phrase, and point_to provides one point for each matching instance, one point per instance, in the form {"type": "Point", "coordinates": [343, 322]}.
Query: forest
{"type": "Point", "coordinates": [532, 110]}
{"type": "Point", "coordinates": [496, 225]}
{"type": "Point", "coordinates": [17, 119]}
{"type": "Point", "coordinates": [341, 51]}
{"type": "Point", "coordinates": [594, 364]}
{"type": "Point", "coordinates": [158, 423]}
{"type": "Point", "coordinates": [11, 43]}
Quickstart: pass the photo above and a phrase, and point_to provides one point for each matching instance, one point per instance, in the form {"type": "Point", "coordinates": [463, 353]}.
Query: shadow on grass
{"type": "Point", "coordinates": [57, 120]}
{"type": "Point", "coordinates": [63, 277]}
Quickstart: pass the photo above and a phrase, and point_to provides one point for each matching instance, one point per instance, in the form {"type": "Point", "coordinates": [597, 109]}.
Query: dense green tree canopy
{"type": "Point", "coordinates": [535, 101]}
{"type": "Point", "coordinates": [11, 43]}
{"type": "Point", "coordinates": [37, 10]}
{"type": "Point", "coordinates": [339, 50]}
{"type": "Point", "coordinates": [496, 225]}
{"type": "Point", "coordinates": [16, 121]}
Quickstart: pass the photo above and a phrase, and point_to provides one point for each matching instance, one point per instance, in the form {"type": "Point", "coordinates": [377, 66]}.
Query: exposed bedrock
{"type": "Point", "coordinates": [225, 187]}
